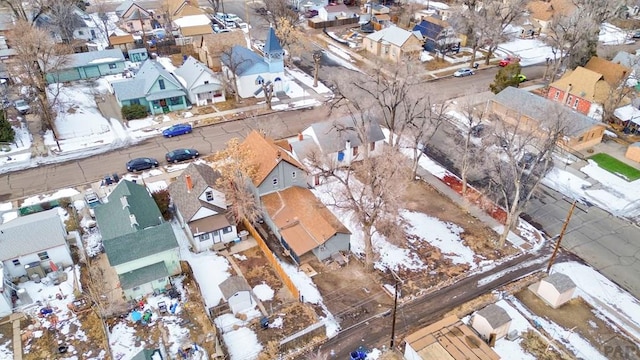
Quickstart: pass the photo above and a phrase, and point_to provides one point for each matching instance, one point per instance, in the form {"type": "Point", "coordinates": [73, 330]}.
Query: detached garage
{"type": "Point", "coordinates": [89, 65]}
{"type": "Point", "coordinates": [237, 293]}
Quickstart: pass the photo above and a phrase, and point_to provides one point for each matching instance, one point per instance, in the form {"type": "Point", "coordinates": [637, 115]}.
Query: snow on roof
{"type": "Point", "coordinates": [628, 113]}
{"type": "Point", "coordinates": [104, 60]}
{"type": "Point", "coordinates": [393, 34]}
{"type": "Point", "coordinates": [192, 20]}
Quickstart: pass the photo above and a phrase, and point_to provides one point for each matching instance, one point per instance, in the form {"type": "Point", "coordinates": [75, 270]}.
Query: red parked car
{"type": "Point", "coordinates": [508, 60]}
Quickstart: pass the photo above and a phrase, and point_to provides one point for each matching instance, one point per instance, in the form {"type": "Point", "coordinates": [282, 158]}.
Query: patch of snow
{"type": "Point", "coordinates": [56, 195]}
{"type": "Point", "coordinates": [264, 292]}
{"type": "Point", "coordinates": [242, 344]}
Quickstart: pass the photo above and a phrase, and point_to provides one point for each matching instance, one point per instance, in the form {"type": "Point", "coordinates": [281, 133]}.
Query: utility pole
{"type": "Point", "coordinates": [395, 307]}
{"type": "Point", "coordinates": [561, 235]}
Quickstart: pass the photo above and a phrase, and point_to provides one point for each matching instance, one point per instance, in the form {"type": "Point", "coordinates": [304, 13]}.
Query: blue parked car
{"type": "Point", "coordinates": [178, 129]}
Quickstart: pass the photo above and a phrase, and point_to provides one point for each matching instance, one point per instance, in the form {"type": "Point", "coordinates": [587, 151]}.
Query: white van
{"type": "Point", "coordinates": [243, 26]}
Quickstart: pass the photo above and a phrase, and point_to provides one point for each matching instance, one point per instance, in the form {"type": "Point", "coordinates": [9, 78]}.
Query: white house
{"type": "Point", "coordinates": [6, 303]}
{"type": "Point", "coordinates": [491, 321]}
{"type": "Point", "coordinates": [556, 289]}
{"type": "Point", "coordinates": [85, 28]}
{"type": "Point", "coordinates": [237, 293]}
{"type": "Point", "coordinates": [333, 12]}
{"type": "Point", "coordinates": [33, 244]}
{"type": "Point", "coordinates": [251, 70]}
{"type": "Point", "coordinates": [201, 208]}
{"type": "Point", "coordinates": [202, 84]}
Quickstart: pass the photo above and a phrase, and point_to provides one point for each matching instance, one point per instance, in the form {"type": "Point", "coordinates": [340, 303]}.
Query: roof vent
{"type": "Point", "coordinates": [124, 202]}
{"type": "Point", "coordinates": [134, 221]}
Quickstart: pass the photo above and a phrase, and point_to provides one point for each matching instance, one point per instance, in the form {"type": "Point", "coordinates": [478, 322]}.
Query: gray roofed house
{"type": "Point", "coordinates": [201, 83]}
{"type": "Point", "coordinates": [201, 208]}
{"type": "Point", "coordinates": [515, 104]}
{"type": "Point", "coordinates": [555, 290]}
{"type": "Point", "coordinates": [392, 43]}
{"type": "Point", "coordinates": [39, 237]}
{"type": "Point", "coordinates": [88, 65]}
{"type": "Point", "coordinates": [237, 292]}
{"type": "Point", "coordinates": [152, 86]}
{"type": "Point", "coordinates": [137, 202]}
{"type": "Point", "coordinates": [491, 321]}
{"type": "Point", "coordinates": [560, 281]}
{"type": "Point", "coordinates": [495, 315]}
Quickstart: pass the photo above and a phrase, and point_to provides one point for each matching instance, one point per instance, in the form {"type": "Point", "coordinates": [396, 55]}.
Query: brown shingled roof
{"type": "Point", "coordinates": [266, 155]}
{"type": "Point", "coordinates": [196, 30]}
{"type": "Point", "coordinates": [121, 39]}
{"type": "Point", "coordinates": [304, 222]}
{"type": "Point", "coordinates": [584, 83]}
{"type": "Point", "coordinates": [613, 73]}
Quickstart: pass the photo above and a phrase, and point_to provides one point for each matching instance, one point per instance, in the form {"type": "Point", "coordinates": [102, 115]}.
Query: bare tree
{"type": "Point", "coordinates": [28, 11]}
{"type": "Point", "coordinates": [425, 120]}
{"type": "Point", "coordinates": [217, 5]}
{"type": "Point", "coordinates": [275, 10]}
{"type": "Point", "coordinates": [291, 37]}
{"type": "Point", "coordinates": [498, 16]}
{"type": "Point", "coordinates": [470, 153]}
{"type": "Point", "coordinates": [38, 56]}
{"type": "Point", "coordinates": [101, 7]}
{"type": "Point", "coordinates": [233, 61]}
{"type": "Point", "coordinates": [473, 24]}
{"type": "Point", "coordinates": [267, 90]}
{"type": "Point", "coordinates": [621, 92]}
{"type": "Point", "coordinates": [236, 174]}
{"type": "Point", "coordinates": [514, 177]}
{"type": "Point", "coordinates": [64, 19]}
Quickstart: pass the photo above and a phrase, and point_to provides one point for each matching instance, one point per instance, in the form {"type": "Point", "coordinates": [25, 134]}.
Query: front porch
{"type": "Point", "coordinates": [167, 102]}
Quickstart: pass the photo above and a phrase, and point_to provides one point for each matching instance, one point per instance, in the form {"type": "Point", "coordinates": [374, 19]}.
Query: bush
{"type": "Point", "coordinates": [163, 200]}
{"type": "Point", "coordinates": [7, 134]}
{"type": "Point", "coordinates": [134, 111]}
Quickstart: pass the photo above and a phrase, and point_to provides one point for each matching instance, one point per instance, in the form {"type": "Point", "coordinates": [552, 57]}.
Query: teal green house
{"type": "Point", "coordinates": [154, 87]}
{"type": "Point", "coordinates": [140, 245]}
{"type": "Point", "coordinates": [88, 65]}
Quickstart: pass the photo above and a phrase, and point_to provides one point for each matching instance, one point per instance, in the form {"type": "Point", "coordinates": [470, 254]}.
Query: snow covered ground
{"type": "Point", "coordinates": [530, 51]}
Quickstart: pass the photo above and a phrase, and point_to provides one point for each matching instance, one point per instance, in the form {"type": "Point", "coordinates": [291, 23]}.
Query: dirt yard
{"type": "Point", "coordinates": [6, 338]}
{"type": "Point", "coordinates": [585, 321]}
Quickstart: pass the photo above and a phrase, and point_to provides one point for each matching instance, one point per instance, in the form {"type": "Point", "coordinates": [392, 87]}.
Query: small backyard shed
{"type": "Point", "coordinates": [491, 320]}
{"type": "Point", "coordinates": [237, 293]}
{"type": "Point", "coordinates": [633, 152]}
{"type": "Point", "coordinates": [556, 289]}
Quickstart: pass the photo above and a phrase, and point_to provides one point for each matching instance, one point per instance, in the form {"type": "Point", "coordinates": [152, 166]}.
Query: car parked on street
{"type": "Point", "coordinates": [463, 72]}
{"type": "Point", "coordinates": [143, 163]}
{"type": "Point", "coordinates": [508, 60]}
{"type": "Point", "coordinates": [178, 155]}
{"type": "Point", "coordinates": [177, 129]}
{"type": "Point", "coordinates": [22, 106]}
{"type": "Point", "coordinates": [521, 77]}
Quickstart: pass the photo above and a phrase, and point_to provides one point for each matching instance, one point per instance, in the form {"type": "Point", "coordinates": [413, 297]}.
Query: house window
{"type": "Point", "coordinates": [112, 66]}
{"type": "Point", "coordinates": [275, 181]}
{"type": "Point", "coordinates": [204, 237]}
{"type": "Point", "coordinates": [227, 230]}
{"type": "Point", "coordinates": [575, 103]}
{"type": "Point", "coordinates": [355, 151]}
{"type": "Point", "coordinates": [372, 146]}
{"type": "Point", "coordinates": [80, 32]}
{"type": "Point", "coordinates": [293, 174]}
{"type": "Point", "coordinates": [209, 195]}
{"type": "Point", "coordinates": [161, 84]}
{"type": "Point", "coordinates": [215, 233]}
{"type": "Point", "coordinates": [206, 82]}
{"type": "Point", "coordinates": [259, 80]}
{"type": "Point", "coordinates": [386, 49]}
{"type": "Point", "coordinates": [176, 100]}
{"type": "Point", "coordinates": [43, 255]}
{"type": "Point", "coordinates": [569, 99]}
{"type": "Point", "coordinates": [16, 262]}
{"type": "Point", "coordinates": [557, 95]}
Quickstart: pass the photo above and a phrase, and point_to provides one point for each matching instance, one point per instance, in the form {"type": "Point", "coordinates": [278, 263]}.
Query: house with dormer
{"type": "Point", "coordinates": [202, 84]}
{"type": "Point", "coordinates": [201, 208]}
{"type": "Point", "coordinates": [249, 70]}
{"type": "Point", "coordinates": [152, 86]}
{"type": "Point", "coordinates": [134, 18]}
{"type": "Point", "coordinates": [139, 244]}
{"type": "Point", "coordinates": [301, 223]}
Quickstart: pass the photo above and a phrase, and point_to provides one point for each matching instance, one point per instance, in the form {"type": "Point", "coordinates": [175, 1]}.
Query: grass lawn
{"type": "Point", "coordinates": [616, 167]}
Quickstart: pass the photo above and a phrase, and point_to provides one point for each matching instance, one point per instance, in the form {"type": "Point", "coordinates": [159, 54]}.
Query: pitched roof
{"type": "Point", "coordinates": [140, 86]}
{"type": "Point", "coordinates": [626, 59]}
{"type": "Point", "coordinates": [193, 20]}
{"type": "Point", "coordinates": [191, 70]}
{"type": "Point", "coordinates": [449, 338]}
{"type": "Point", "coordinates": [393, 34]}
{"type": "Point", "coordinates": [188, 202]}
{"type": "Point", "coordinates": [430, 27]}
{"type": "Point", "coordinates": [560, 282]}
{"type": "Point", "coordinates": [337, 9]}
{"type": "Point", "coordinates": [538, 108]}
{"type": "Point", "coordinates": [139, 14]}
{"type": "Point", "coordinates": [114, 216]}
{"type": "Point", "coordinates": [196, 30]}
{"type": "Point", "coordinates": [146, 242]}
{"type": "Point", "coordinates": [266, 155]}
{"type": "Point", "coordinates": [304, 222]}
{"type": "Point", "coordinates": [31, 234]}
{"type": "Point", "coordinates": [495, 315]}
{"type": "Point", "coordinates": [584, 83]}
{"type": "Point", "coordinates": [217, 43]}
{"type": "Point", "coordinates": [94, 58]}
{"type": "Point", "coordinates": [232, 285]}
{"type": "Point", "coordinates": [121, 39]}
{"type": "Point", "coordinates": [272, 44]}
{"type": "Point", "coordinates": [246, 61]}
{"type": "Point", "coordinates": [545, 9]}
{"type": "Point", "coordinates": [612, 72]}
{"type": "Point", "coordinates": [143, 275]}
{"type": "Point", "coordinates": [332, 136]}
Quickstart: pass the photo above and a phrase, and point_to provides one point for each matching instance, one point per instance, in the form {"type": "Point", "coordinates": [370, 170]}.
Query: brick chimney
{"type": "Point", "coordinates": [187, 179]}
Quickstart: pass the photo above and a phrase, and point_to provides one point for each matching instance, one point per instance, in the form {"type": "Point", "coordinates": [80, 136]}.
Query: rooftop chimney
{"type": "Point", "coordinates": [300, 137]}
{"type": "Point", "coordinates": [187, 179]}
{"type": "Point", "coordinates": [278, 155]}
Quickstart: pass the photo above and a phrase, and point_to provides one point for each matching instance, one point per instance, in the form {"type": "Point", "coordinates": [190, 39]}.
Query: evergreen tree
{"type": "Point", "coordinates": [6, 131]}
{"type": "Point", "coordinates": [506, 76]}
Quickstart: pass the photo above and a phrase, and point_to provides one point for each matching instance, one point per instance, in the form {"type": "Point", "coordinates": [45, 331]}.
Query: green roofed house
{"type": "Point", "coordinates": [139, 244]}
{"type": "Point", "coordinates": [154, 87]}
{"type": "Point", "coordinates": [89, 65]}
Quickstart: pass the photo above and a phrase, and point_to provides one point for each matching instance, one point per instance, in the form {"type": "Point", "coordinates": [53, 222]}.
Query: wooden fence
{"type": "Point", "coordinates": [273, 260]}
{"type": "Point", "coordinates": [330, 23]}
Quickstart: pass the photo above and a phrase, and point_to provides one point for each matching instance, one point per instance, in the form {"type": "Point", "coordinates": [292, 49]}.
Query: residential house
{"type": "Point", "coordinates": [381, 21]}
{"type": "Point", "coordinates": [81, 26]}
{"type": "Point", "coordinates": [393, 43]}
{"type": "Point", "coordinates": [250, 71]}
{"type": "Point", "coordinates": [134, 18]}
{"type": "Point", "coordinates": [492, 322]}
{"type": "Point", "coordinates": [201, 209]}
{"type": "Point", "coordinates": [202, 84]}
{"type": "Point", "coordinates": [309, 4]}
{"type": "Point", "coordinates": [449, 339]}
{"type": "Point", "coordinates": [193, 25]}
{"type": "Point", "coordinates": [517, 106]}
{"type": "Point", "coordinates": [555, 289]}
{"type": "Point", "coordinates": [152, 86]}
{"type": "Point", "coordinates": [339, 143]}
{"type": "Point", "coordinates": [180, 8]}
{"type": "Point", "coordinates": [304, 225]}
{"type": "Point", "coordinates": [140, 246]}
{"type": "Point", "coordinates": [237, 293]}
{"type": "Point", "coordinates": [209, 48]}
{"type": "Point", "coordinates": [34, 244]}
{"type": "Point", "coordinates": [124, 42]}
{"type": "Point", "coordinates": [138, 55]}
{"type": "Point", "coordinates": [439, 35]}
{"type": "Point", "coordinates": [542, 12]}
{"type": "Point", "coordinates": [615, 74]}
{"type": "Point", "coordinates": [333, 12]}
{"type": "Point", "coordinates": [6, 294]}
{"type": "Point", "coordinates": [633, 152]}
{"type": "Point", "coordinates": [89, 65]}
